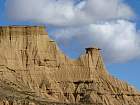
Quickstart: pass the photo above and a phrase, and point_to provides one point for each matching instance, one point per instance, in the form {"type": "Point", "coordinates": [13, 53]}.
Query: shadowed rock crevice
{"type": "Point", "coordinates": [33, 71]}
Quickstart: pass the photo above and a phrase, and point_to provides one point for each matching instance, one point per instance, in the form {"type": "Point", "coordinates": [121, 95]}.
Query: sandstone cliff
{"type": "Point", "coordinates": [34, 72]}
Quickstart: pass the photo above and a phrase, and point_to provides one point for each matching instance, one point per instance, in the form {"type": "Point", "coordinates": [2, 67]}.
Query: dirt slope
{"type": "Point", "coordinates": [33, 71]}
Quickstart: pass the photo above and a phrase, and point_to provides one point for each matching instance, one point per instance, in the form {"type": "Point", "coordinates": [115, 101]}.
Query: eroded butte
{"type": "Point", "coordinates": [33, 71]}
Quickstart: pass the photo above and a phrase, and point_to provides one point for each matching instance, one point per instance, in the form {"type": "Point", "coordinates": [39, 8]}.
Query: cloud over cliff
{"type": "Point", "coordinates": [84, 23]}
{"type": "Point", "coordinates": [118, 39]}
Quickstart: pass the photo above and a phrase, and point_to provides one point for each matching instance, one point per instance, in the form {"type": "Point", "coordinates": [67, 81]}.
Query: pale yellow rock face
{"type": "Point", "coordinates": [33, 71]}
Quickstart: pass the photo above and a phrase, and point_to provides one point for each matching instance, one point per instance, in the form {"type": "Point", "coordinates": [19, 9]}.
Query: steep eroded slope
{"type": "Point", "coordinates": [34, 72]}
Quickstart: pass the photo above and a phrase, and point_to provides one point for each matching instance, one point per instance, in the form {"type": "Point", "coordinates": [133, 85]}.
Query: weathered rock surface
{"type": "Point", "coordinates": [34, 72]}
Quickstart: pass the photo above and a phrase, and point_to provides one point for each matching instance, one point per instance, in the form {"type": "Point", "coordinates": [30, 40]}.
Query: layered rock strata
{"type": "Point", "coordinates": [33, 71]}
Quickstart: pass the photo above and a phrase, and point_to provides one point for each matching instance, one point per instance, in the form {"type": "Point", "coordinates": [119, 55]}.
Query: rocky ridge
{"type": "Point", "coordinates": [33, 71]}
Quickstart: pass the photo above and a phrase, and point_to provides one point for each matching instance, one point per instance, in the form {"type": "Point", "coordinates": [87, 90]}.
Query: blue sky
{"type": "Point", "coordinates": [128, 70]}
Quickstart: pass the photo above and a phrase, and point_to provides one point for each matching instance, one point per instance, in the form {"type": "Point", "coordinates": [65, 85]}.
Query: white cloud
{"type": "Point", "coordinates": [67, 12]}
{"type": "Point", "coordinates": [118, 39]}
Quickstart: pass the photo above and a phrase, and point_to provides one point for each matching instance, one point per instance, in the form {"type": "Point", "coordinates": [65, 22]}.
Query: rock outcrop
{"type": "Point", "coordinates": [33, 71]}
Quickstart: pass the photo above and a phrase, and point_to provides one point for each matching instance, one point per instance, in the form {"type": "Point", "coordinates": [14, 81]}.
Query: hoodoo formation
{"type": "Point", "coordinates": [33, 71]}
